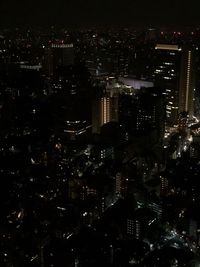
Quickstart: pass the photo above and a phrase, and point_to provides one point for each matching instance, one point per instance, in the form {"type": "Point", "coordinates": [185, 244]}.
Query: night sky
{"type": "Point", "coordinates": [99, 12]}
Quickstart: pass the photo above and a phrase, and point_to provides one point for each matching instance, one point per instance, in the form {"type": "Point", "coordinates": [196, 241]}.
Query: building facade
{"type": "Point", "coordinates": [174, 73]}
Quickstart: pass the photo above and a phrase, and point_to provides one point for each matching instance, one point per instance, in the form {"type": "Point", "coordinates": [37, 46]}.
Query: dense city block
{"type": "Point", "coordinates": [100, 147]}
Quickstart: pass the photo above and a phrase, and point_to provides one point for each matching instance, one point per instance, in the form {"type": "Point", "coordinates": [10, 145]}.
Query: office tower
{"type": "Point", "coordinates": [56, 56]}
{"type": "Point", "coordinates": [142, 112]}
{"type": "Point", "coordinates": [63, 55]}
{"type": "Point", "coordinates": [30, 81]}
{"type": "Point", "coordinates": [187, 82]}
{"type": "Point", "coordinates": [174, 73]}
{"type": "Point", "coordinates": [167, 73]}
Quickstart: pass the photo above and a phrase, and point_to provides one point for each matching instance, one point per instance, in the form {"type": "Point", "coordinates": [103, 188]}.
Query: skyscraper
{"type": "Point", "coordinates": [174, 73]}
{"type": "Point", "coordinates": [58, 55]}
{"type": "Point", "coordinates": [63, 55]}
{"type": "Point", "coordinates": [143, 112]}
{"type": "Point", "coordinates": [187, 82]}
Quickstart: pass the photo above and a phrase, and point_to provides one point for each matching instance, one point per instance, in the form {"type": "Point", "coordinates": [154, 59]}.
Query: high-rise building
{"type": "Point", "coordinates": [187, 82]}
{"type": "Point", "coordinates": [63, 55]}
{"type": "Point", "coordinates": [174, 73]}
{"type": "Point", "coordinates": [58, 55]}
{"type": "Point", "coordinates": [30, 81]}
{"type": "Point", "coordinates": [105, 109]}
{"type": "Point", "coordinates": [143, 112]}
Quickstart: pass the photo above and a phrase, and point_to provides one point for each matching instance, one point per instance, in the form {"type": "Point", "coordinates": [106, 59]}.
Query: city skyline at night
{"type": "Point", "coordinates": [99, 133]}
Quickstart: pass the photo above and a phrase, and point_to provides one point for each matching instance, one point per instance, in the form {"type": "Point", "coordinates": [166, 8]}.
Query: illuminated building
{"type": "Point", "coordinates": [105, 110]}
{"type": "Point", "coordinates": [175, 74]}
{"type": "Point", "coordinates": [187, 82]}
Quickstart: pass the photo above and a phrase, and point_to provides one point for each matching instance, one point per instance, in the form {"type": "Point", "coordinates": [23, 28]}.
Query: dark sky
{"type": "Point", "coordinates": [99, 12]}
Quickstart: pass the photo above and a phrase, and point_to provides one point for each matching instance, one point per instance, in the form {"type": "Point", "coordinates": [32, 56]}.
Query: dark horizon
{"type": "Point", "coordinates": [81, 13]}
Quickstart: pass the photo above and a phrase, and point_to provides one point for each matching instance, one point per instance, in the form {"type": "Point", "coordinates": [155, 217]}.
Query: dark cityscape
{"type": "Point", "coordinates": [99, 134]}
